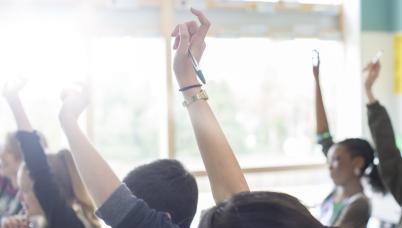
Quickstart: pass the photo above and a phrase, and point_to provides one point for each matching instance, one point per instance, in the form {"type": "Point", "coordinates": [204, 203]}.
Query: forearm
{"type": "Point", "coordinates": [19, 114]}
{"type": "Point", "coordinates": [224, 172]}
{"type": "Point", "coordinates": [321, 117]}
{"type": "Point", "coordinates": [382, 132]}
{"type": "Point", "coordinates": [99, 178]}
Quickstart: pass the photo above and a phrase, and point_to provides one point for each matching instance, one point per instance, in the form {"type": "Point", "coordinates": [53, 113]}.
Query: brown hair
{"type": "Point", "coordinates": [12, 145]}
{"type": "Point", "coordinates": [71, 185]}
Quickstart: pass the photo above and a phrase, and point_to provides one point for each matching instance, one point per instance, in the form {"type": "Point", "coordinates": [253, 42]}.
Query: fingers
{"type": "Point", "coordinates": [196, 33]}
{"type": "Point", "coordinates": [175, 34]}
{"type": "Point", "coordinates": [192, 27]}
{"type": "Point", "coordinates": [15, 85]}
{"type": "Point", "coordinates": [205, 24]}
{"type": "Point", "coordinates": [184, 43]}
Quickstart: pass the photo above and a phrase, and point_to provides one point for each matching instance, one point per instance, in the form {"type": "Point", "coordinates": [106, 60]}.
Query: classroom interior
{"type": "Point", "coordinates": [259, 79]}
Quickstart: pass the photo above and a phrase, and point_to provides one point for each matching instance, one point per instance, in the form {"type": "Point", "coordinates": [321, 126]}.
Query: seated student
{"type": "Point", "coordinates": [166, 186]}
{"type": "Point", "coordinates": [10, 160]}
{"type": "Point", "coordinates": [349, 161]}
{"type": "Point", "coordinates": [51, 193]}
{"type": "Point", "coordinates": [259, 210]}
{"type": "Point", "coordinates": [384, 138]}
{"type": "Point", "coordinates": [120, 208]}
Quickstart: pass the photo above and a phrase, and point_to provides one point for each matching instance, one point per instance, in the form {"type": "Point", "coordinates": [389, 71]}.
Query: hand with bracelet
{"type": "Point", "coordinates": [223, 170]}
{"type": "Point", "coordinates": [189, 36]}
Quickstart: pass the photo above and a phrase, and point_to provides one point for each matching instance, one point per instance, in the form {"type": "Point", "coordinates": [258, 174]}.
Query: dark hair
{"type": "Point", "coordinates": [360, 147]}
{"type": "Point", "coordinates": [259, 210]}
{"type": "Point", "coordinates": [165, 185]}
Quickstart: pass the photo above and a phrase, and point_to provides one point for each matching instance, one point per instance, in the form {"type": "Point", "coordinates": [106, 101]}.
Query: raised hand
{"type": "Point", "coordinates": [316, 64]}
{"type": "Point", "coordinates": [373, 71]}
{"type": "Point", "coordinates": [189, 36]}
{"type": "Point", "coordinates": [224, 172]}
{"type": "Point", "coordinates": [11, 93]}
{"type": "Point", "coordinates": [13, 87]}
{"type": "Point", "coordinates": [75, 100]}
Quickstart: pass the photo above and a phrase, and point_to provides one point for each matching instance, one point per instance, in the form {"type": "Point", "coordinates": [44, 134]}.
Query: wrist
{"type": "Point", "coordinates": [67, 119]}
{"type": "Point", "coordinates": [191, 92]}
{"type": "Point", "coordinates": [370, 97]}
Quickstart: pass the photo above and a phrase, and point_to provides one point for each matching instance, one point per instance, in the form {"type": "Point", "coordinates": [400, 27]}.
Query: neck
{"type": "Point", "coordinates": [349, 189]}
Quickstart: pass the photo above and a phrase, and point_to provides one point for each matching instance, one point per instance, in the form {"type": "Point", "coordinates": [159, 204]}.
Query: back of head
{"type": "Point", "coordinates": [167, 187]}
{"type": "Point", "coordinates": [71, 185]}
{"type": "Point", "coordinates": [360, 147]}
{"type": "Point", "coordinates": [259, 210]}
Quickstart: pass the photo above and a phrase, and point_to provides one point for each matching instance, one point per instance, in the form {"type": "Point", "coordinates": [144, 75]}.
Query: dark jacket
{"type": "Point", "coordinates": [58, 212]}
{"type": "Point", "coordinates": [387, 151]}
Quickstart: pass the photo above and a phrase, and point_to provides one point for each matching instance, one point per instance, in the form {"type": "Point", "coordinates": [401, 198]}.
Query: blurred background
{"type": "Point", "coordinates": [258, 68]}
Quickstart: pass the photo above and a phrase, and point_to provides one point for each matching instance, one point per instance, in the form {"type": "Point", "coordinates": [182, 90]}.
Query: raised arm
{"type": "Point", "coordinates": [322, 129]}
{"type": "Point", "coordinates": [383, 136]}
{"type": "Point", "coordinates": [11, 93]}
{"type": "Point", "coordinates": [224, 172]}
{"type": "Point", "coordinates": [99, 178]}
{"type": "Point", "coordinates": [117, 206]}
{"type": "Point", "coordinates": [44, 185]}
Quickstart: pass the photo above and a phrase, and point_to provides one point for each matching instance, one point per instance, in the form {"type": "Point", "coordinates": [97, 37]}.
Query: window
{"type": "Point", "coordinates": [263, 98]}
{"type": "Point", "coordinates": [128, 82]}
{"type": "Point", "coordinates": [50, 56]}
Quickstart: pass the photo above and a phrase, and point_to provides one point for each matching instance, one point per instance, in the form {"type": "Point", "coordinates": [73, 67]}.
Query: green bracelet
{"type": "Point", "coordinates": [322, 136]}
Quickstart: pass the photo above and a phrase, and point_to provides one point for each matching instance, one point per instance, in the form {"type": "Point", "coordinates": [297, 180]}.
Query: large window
{"type": "Point", "coordinates": [128, 83]}
{"type": "Point", "coordinates": [262, 93]}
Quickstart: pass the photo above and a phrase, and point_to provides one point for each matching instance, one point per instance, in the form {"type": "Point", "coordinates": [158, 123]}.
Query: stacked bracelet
{"type": "Point", "coordinates": [189, 87]}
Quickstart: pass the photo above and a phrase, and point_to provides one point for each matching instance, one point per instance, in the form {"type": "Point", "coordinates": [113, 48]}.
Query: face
{"type": "Point", "coordinates": [342, 165]}
{"type": "Point", "coordinates": [9, 164]}
{"type": "Point", "coordinates": [26, 195]}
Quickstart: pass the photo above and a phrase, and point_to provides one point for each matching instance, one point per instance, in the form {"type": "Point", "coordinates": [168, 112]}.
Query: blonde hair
{"type": "Point", "coordinates": [12, 144]}
{"type": "Point", "coordinates": [71, 186]}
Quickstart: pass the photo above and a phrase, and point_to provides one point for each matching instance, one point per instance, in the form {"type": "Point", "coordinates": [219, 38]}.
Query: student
{"type": "Point", "coordinates": [10, 158]}
{"type": "Point", "coordinates": [40, 193]}
{"type": "Point", "coordinates": [349, 161]}
{"type": "Point", "coordinates": [384, 138]}
{"type": "Point", "coordinates": [166, 186]}
{"type": "Point", "coordinates": [259, 210]}
{"type": "Point", "coordinates": [118, 207]}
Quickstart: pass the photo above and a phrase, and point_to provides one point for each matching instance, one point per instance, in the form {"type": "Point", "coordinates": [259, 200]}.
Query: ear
{"type": "Point", "coordinates": [358, 162]}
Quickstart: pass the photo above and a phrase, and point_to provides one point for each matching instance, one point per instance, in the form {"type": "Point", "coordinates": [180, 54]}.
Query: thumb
{"type": "Point", "coordinates": [184, 44]}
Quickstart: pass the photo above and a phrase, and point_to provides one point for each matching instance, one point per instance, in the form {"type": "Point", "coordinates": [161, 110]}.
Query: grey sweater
{"type": "Point", "coordinates": [124, 210]}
